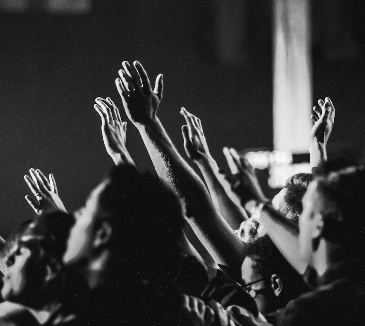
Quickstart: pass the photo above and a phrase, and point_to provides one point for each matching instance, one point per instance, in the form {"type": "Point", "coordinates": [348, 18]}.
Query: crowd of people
{"type": "Point", "coordinates": [171, 248]}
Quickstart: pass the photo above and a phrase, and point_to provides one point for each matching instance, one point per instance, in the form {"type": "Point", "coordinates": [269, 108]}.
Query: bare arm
{"type": "Point", "coordinates": [281, 230]}
{"type": "Point", "coordinates": [284, 233]}
{"type": "Point", "coordinates": [141, 103]}
{"type": "Point", "coordinates": [196, 148]}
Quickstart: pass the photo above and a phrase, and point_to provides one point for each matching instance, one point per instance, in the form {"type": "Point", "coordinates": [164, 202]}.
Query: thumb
{"type": "Point", "coordinates": [159, 86]}
{"type": "Point", "coordinates": [53, 184]}
{"type": "Point", "coordinates": [34, 204]}
{"type": "Point", "coordinates": [102, 116]}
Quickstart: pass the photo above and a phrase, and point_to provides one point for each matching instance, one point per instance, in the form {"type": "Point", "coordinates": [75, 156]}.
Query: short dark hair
{"type": "Point", "coordinates": [49, 229]}
{"type": "Point", "coordinates": [296, 186]}
{"type": "Point", "coordinates": [146, 218]}
{"type": "Point", "coordinates": [268, 260]}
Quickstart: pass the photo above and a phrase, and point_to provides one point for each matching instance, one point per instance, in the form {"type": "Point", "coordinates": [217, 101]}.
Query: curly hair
{"type": "Point", "coordinates": [268, 260]}
{"type": "Point", "coordinates": [296, 186]}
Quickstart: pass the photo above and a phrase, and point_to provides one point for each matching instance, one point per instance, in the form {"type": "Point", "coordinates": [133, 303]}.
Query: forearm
{"type": "Point", "coordinates": [284, 233]}
{"type": "Point", "coordinates": [212, 230]}
{"type": "Point", "coordinates": [233, 214]}
{"type": "Point", "coordinates": [172, 168]}
{"type": "Point", "coordinates": [196, 248]}
{"type": "Point", "coordinates": [317, 153]}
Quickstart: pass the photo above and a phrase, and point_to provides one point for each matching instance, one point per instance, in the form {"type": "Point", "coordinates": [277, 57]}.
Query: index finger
{"type": "Point", "coordinates": [32, 186]}
{"type": "Point", "coordinates": [231, 164]}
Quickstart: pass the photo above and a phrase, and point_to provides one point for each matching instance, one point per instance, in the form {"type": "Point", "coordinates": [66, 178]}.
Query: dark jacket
{"type": "Point", "coordinates": [339, 299]}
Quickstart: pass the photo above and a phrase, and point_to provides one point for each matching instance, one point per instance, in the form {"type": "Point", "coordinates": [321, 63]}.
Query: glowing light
{"type": "Point", "coordinates": [264, 159]}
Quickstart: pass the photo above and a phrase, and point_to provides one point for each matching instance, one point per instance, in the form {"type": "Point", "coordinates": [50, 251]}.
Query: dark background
{"type": "Point", "coordinates": [53, 66]}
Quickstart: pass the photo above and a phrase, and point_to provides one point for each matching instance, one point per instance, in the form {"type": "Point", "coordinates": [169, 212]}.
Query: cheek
{"type": "Point", "coordinates": [261, 303]}
{"type": "Point", "coordinates": [304, 241]}
{"type": "Point", "coordinates": [16, 279]}
{"type": "Point", "coordinates": [78, 242]}
{"type": "Point", "coordinates": [6, 288]}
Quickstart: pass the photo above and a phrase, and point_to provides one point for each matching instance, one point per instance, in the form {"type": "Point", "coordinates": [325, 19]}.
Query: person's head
{"type": "Point", "coordinates": [333, 212]}
{"type": "Point", "coordinates": [269, 278]}
{"type": "Point", "coordinates": [134, 219]}
{"type": "Point", "coordinates": [33, 256]}
{"type": "Point", "coordinates": [288, 201]}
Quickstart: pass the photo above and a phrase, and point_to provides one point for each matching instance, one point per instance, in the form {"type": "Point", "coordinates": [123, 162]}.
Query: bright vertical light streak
{"type": "Point", "coordinates": [292, 75]}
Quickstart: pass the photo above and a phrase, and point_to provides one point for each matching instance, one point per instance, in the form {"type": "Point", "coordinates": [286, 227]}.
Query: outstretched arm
{"type": "Point", "coordinates": [196, 148]}
{"type": "Point", "coordinates": [283, 232]}
{"type": "Point", "coordinates": [113, 130]}
{"type": "Point", "coordinates": [141, 104]}
{"type": "Point", "coordinates": [323, 121]}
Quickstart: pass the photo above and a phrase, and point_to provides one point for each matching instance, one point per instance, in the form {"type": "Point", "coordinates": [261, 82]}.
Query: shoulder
{"type": "Point", "coordinates": [339, 302]}
{"type": "Point", "coordinates": [8, 309]}
{"type": "Point", "coordinates": [14, 314]}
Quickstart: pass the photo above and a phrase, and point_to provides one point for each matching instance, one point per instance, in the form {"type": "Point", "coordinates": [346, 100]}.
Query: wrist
{"type": "Point", "coordinates": [255, 207]}
{"type": "Point", "coordinates": [314, 144]}
{"type": "Point", "coordinates": [206, 160]}
{"type": "Point", "coordinates": [317, 153]}
{"type": "Point", "coordinates": [149, 124]}
{"type": "Point", "coordinates": [122, 158]}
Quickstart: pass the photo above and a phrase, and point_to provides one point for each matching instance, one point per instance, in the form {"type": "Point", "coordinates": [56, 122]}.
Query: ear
{"type": "Point", "coordinates": [276, 284]}
{"type": "Point", "coordinates": [318, 226]}
{"type": "Point", "coordinates": [52, 270]}
{"type": "Point", "coordinates": [102, 235]}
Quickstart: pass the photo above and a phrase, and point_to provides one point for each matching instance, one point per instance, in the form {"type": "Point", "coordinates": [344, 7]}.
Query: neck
{"type": "Point", "coordinates": [45, 313]}
{"type": "Point", "coordinates": [100, 270]}
{"type": "Point", "coordinates": [326, 256]}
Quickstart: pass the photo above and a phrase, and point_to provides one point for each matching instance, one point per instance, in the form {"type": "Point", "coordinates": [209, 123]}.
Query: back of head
{"type": "Point", "coordinates": [269, 261]}
{"type": "Point", "coordinates": [345, 224]}
{"type": "Point", "coordinates": [146, 219]}
{"type": "Point", "coordinates": [296, 186]}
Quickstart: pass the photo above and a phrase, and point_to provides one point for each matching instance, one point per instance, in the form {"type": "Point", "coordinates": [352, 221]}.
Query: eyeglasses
{"type": "Point", "coordinates": [252, 292]}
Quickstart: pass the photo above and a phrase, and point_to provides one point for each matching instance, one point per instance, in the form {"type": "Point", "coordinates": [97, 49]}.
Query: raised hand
{"type": "Point", "coordinates": [113, 130]}
{"type": "Point", "coordinates": [141, 104]}
{"type": "Point", "coordinates": [195, 144]}
{"type": "Point", "coordinates": [323, 119]}
{"type": "Point", "coordinates": [244, 182]}
{"type": "Point", "coordinates": [195, 312]}
{"type": "Point", "coordinates": [139, 100]}
{"type": "Point", "coordinates": [45, 194]}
